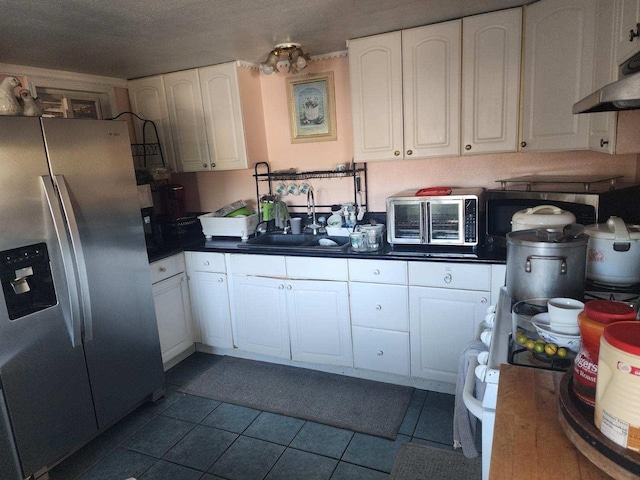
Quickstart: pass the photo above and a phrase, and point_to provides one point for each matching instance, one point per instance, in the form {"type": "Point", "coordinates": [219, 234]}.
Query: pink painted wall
{"type": "Point", "coordinates": [386, 178]}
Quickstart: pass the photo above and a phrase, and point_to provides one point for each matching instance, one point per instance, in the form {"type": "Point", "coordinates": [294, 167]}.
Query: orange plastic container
{"type": "Point", "coordinates": [596, 315]}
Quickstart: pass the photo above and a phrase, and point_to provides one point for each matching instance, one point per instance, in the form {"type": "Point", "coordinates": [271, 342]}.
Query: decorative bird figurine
{"type": "Point", "coordinates": [8, 102]}
{"type": "Point", "coordinates": [31, 107]}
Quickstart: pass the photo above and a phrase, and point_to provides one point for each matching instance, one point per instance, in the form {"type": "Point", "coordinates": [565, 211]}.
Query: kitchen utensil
{"type": "Point", "coordinates": [293, 188]}
{"type": "Point", "coordinates": [613, 254]}
{"type": "Point", "coordinates": [544, 331]}
{"type": "Point", "coordinates": [358, 241]}
{"type": "Point", "coordinates": [572, 230]}
{"type": "Point", "coordinates": [304, 188]}
{"type": "Point", "coordinates": [540, 267]}
{"type": "Point", "coordinates": [282, 189]}
{"type": "Point", "coordinates": [541, 216]}
{"type": "Point", "coordinates": [522, 313]}
{"type": "Point", "coordinates": [296, 225]}
{"type": "Point", "coordinates": [373, 235]}
{"type": "Point", "coordinates": [563, 315]}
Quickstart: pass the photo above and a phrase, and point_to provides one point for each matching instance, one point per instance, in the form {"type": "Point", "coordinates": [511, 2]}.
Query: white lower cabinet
{"type": "Point", "coordinates": [443, 318]}
{"type": "Point", "coordinates": [318, 313]}
{"type": "Point", "coordinates": [261, 315]}
{"type": "Point", "coordinates": [173, 310]}
{"type": "Point", "coordinates": [381, 350]}
{"type": "Point", "coordinates": [210, 298]}
{"type": "Point", "coordinates": [293, 307]}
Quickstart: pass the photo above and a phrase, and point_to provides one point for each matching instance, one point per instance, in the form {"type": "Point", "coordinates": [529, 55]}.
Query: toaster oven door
{"type": "Point", "coordinates": [406, 222]}
{"type": "Point", "coordinates": [446, 222]}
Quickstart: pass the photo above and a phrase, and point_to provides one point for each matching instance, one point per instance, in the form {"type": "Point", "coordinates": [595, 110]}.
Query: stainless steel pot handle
{"type": "Point", "coordinates": [563, 262]}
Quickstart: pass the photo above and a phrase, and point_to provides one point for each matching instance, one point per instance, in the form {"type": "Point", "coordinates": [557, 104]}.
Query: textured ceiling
{"type": "Point", "coordinates": [136, 38]}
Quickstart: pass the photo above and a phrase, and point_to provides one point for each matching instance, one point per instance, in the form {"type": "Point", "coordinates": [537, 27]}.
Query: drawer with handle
{"type": "Point", "coordinates": [379, 306]}
{"type": "Point", "coordinates": [208, 262]}
{"type": "Point", "coordinates": [167, 267]}
{"type": "Point", "coordinates": [381, 350]}
{"type": "Point", "coordinates": [378, 271]}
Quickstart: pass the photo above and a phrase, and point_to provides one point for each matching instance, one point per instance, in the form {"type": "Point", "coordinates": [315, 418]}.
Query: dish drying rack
{"type": "Point", "coordinates": [149, 152]}
{"type": "Point", "coordinates": [357, 171]}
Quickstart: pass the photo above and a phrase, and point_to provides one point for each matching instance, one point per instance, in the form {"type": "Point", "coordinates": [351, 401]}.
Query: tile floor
{"type": "Point", "coordinates": [183, 437]}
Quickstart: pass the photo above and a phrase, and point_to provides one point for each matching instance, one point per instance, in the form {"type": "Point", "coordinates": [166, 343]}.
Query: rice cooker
{"type": "Point", "coordinates": [541, 216]}
{"type": "Point", "coordinates": [613, 252]}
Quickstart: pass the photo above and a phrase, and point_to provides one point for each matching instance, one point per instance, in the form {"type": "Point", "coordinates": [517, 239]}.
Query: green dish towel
{"type": "Point", "coordinates": [280, 214]}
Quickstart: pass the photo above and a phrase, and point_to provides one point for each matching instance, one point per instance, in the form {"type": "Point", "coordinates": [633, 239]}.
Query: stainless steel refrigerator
{"type": "Point", "coordinates": [79, 344]}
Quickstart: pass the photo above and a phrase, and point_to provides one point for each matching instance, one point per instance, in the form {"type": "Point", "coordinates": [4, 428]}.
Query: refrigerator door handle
{"type": "Point", "coordinates": [67, 259]}
{"type": "Point", "coordinates": [78, 253]}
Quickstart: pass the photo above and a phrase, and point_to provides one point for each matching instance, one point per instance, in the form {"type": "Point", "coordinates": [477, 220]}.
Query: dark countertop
{"type": "Point", "coordinates": [417, 253]}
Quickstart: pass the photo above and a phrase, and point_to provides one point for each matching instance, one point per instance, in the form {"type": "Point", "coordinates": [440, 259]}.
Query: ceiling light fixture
{"type": "Point", "coordinates": [290, 52]}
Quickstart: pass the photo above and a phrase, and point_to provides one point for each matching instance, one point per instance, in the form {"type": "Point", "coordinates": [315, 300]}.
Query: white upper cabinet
{"type": "Point", "coordinates": [209, 118]}
{"type": "Point", "coordinates": [491, 81]}
{"type": "Point", "coordinates": [148, 99]}
{"type": "Point", "coordinates": [602, 133]}
{"type": "Point", "coordinates": [627, 17]}
{"type": "Point", "coordinates": [558, 71]}
{"type": "Point", "coordinates": [223, 116]}
{"type": "Point", "coordinates": [375, 69]}
{"type": "Point", "coordinates": [431, 90]}
{"type": "Point", "coordinates": [187, 120]}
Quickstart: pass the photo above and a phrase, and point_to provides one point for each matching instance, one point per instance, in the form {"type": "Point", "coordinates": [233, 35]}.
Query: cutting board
{"type": "Point", "coordinates": [528, 441]}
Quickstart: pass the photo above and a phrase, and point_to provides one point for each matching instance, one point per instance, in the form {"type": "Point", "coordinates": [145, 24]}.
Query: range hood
{"type": "Point", "coordinates": [621, 95]}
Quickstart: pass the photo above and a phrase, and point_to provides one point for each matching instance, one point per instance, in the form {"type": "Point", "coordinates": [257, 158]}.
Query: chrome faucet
{"type": "Point", "coordinates": [311, 212]}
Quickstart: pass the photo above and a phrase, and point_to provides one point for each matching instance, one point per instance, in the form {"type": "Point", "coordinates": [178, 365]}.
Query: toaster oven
{"type": "Point", "coordinates": [452, 219]}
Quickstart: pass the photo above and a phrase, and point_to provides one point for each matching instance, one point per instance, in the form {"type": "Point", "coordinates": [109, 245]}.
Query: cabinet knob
{"type": "Point", "coordinates": [380, 353]}
{"type": "Point", "coordinates": [523, 144]}
{"type": "Point", "coordinates": [163, 269]}
{"type": "Point", "coordinates": [467, 147]}
{"type": "Point", "coordinates": [213, 165]}
{"type": "Point", "coordinates": [378, 307]}
{"type": "Point", "coordinates": [376, 272]}
{"type": "Point", "coordinates": [447, 278]}
{"type": "Point", "coordinates": [289, 287]}
{"type": "Point", "coordinates": [206, 263]}
{"type": "Point", "coordinates": [220, 280]}
{"type": "Point", "coordinates": [603, 142]}
{"type": "Point", "coordinates": [204, 165]}
{"type": "Point", "coordinates": [409, 152]}
{"type": "Point", "coordinates": [483, 300]}
{"type": "Point", "coordinates": [397, 153]}
{"type": "Point", "coordinates": [281, 287]}
{"type": "Point", "coordinates": [633, 34]}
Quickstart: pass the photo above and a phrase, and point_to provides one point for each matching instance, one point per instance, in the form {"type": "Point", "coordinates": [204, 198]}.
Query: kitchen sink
{"type": "Point", "coordinates": [297, 242]}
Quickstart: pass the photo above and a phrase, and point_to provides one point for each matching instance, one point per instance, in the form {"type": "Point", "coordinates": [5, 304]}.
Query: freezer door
{"type": "Point", "coordinates": [93, 169]}
{"type": "Point", "coordinates": [43, 376]}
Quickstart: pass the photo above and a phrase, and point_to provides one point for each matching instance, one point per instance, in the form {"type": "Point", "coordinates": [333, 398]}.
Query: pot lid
{"type": "Point", "coordinates": [607, 311]}
{"type": "Point", "coordinates": [615, 229]}
{"type": "Point", "coordinates": [549, 235]}
{"type": "Point", "coordinates": [543, 215]}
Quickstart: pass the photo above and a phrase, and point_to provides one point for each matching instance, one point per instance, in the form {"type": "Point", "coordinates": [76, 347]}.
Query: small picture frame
{"type": "Point", "coordinates": [312, 108]}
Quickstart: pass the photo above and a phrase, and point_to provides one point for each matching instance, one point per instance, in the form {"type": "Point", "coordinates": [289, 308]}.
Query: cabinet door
{"type": "Point", "coordinates": [211, 308]}
{"type": "Point", "coordinates": [442, 322]}
{"type": "Point", "coordinates": [627, 19]}
{"type": "Point", "coordinates": [187, 121]}
{"type": "Point", "coordinates": [602, 133]}
{"type": "Point", "coordinates": [318, 314]}
{"type": "Point", "coordinates": [431, 90]}
{"type": "Point", "coordinates": [223, 116]}
{"type": "Point", "coordinates": [148, 99]}
{"type": "Point", "coordinates": [558, 69]}
{"type": "Point", "coordinates": [261, 315]}
{"type": "Point", "coordinates": [173, 313]}
{"type": "Point", "coordinates": [491, 82]}
{"type": "Point", "coordinates": [375, 69]}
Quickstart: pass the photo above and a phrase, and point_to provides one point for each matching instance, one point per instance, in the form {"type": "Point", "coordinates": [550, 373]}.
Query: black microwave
{"type": "Point", "coordinates": [588, 207]}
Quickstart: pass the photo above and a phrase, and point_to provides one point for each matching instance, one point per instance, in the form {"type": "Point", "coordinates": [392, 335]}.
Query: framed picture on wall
{"type": "Point", "coordinates": [312, 108]}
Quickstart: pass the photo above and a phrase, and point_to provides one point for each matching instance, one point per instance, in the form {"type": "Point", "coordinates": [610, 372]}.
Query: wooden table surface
{"type": "Point", "coordinates": [528, 441]}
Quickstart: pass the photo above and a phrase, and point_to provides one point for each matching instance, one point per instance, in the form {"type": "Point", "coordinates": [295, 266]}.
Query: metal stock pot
{"type": "Point", "coordinates": [545, 263]}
